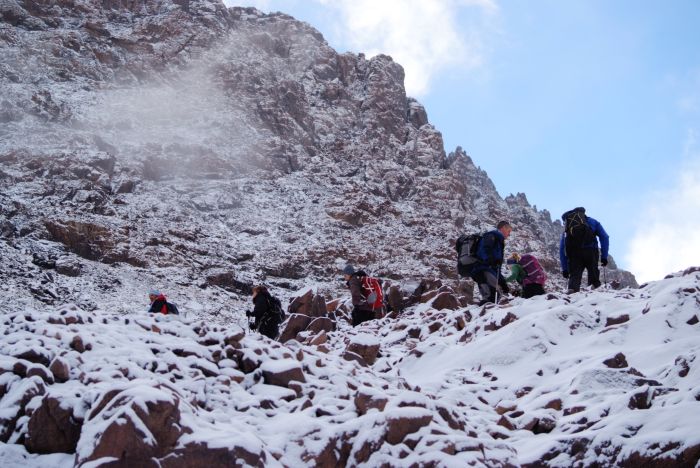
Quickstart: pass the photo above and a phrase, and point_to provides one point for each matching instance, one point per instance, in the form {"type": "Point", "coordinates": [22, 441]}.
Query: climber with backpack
{"type": "Point", "coordinates": [267, 313]}
{"type": "Point", "coordinates": [578, 248]}
{"type": "Point", "coordinates": [159, 304]}
{"type": "Point", "coordinates": [366, 293]}
{"type": "Point", "coordinates": [527, 271]}
{"type": "Point", "coordinates": [481, 257]}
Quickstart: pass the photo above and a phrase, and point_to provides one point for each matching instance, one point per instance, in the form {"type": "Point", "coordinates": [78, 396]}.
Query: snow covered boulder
{"type": "Point", "coordinates": [281, 372]}
{"type": "Point", "coordinates": [296, 324]}
{"type": "Point", "coordinates": [445, 300]}
{"type": "Point", "coordinates": [136, 424]}
{"type": "Point", "coordinates": [303, 302]}
{"type": "Point", "coordinates": [60, 369]}
{"type": "Point", "coordinates": [53, 427]}
{"type": "Point", "coordinates": [14, 403]}
{"type": "Point", "coordinates": [202, 454]}
{"type": "Point", "coordinates": [395, 298]}
{"type": "Point", "coordinates": [366, 346]}
{"type": "Point", "coordinates": [369, 398]}
{"type": "Point", "coordinates": [404, 421]}
{"type": "Point", "coordinates": [321, 324]}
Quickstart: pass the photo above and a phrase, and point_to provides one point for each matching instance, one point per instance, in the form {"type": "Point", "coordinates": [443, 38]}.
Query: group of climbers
{"type": "Point", "coordinates": [479, 256]}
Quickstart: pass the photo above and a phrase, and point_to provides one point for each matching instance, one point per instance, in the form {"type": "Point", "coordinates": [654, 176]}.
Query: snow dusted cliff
{"type": "Point", "coordinates": [191, 147]}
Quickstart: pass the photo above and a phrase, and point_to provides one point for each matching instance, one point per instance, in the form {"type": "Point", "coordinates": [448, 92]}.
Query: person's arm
{"type": "Point", "coordinates": [260, 309]}
{"type": "Point", "coordinates": [516, 273]}
{"type": "Point", "coordinates": [562, 254]}
{"type": "Point", "coordinates": [604, 241]}
{"type": "Point", "coordinates": [485, 252]}
{"type": "Point", "coordinates": [358, 299]}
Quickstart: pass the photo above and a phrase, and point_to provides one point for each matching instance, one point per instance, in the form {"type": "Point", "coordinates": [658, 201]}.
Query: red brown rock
{"type": "Point", "coordinates": [196, 455]}
{"type": "Point", "coordinates": [52, 428]}
{"type": "Point", "coordinates": [126, 416]}
{"type": "Point", "coordinates": [320, 324]}
{"type": "Point", "coordinates": [369, 399]}
{"type": "Point", "coordinates": [400, 424]}
{"type": "Point", "coordinates": [277, 373]}
{"type": "Point", "coordinates": [302, 304]}
{"type": "Point", "coordinates": [616, 362]}
{"type": "Point", "coordinates": [368, 349]}
{"type": "Point", "coordinates": [295, 324]}
{"type": "Point", "coordinates": [445, 300]}
{"type": "Point", "coordinates": [617, 320]}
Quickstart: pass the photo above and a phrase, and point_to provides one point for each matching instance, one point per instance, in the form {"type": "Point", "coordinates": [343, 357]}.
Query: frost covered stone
{"type": "Point", "coordinates": [365, 346]}
{"type": "Point", "coordinates": [281, 373]}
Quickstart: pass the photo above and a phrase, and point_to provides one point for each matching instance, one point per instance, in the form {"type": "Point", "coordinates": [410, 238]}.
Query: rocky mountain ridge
{"type": "Point", "coordinates": [200, 149]}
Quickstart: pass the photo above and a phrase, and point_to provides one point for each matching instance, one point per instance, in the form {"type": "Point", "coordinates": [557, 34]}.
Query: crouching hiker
{"type": "Point", "coordinates": [528, 272]}
{"type": "Point", "coordinates": [367, 295]}
{"type": "Point", "coordinates": [267, 313]}
{"type": "Point", "coordinates": [159, 304]}
{"type": "Point", "coordinates": [481, 256]}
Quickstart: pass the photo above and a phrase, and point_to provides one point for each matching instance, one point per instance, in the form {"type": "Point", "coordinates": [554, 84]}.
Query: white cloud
{"type": "Point", "coordinates": [423, 36]}
{"type": "Point", "coordinates": [668, 239]}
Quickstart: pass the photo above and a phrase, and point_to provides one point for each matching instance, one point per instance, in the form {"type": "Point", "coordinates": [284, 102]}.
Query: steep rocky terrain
{"type": "Point", "coordinates": [604, 378]}
{"type": "Point", "coordinates": [199, 149]}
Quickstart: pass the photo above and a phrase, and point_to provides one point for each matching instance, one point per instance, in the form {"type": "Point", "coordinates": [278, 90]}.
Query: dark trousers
{"type": "Point", "coordinates": [583, 259]}
{"type": "Point", "coordinates": [361, 315]}
{"type": "Point", "coordinates": [269, 328]}
{"type": "Point", "coordinates": [488, 285]}
{"type": "Point", "coordinates": [532, 289]}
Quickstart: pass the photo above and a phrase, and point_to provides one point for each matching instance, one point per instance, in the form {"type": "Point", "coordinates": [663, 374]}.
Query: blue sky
{"type": "Point", "coordinates": [591, 103]}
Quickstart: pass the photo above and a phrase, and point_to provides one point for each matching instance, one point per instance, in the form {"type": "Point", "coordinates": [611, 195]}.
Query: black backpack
{"type": "Point", "coordinates": [276, 310]}
{"type": "Point", "coordinates": [172, 308]}
{"type": "Point", "coordinates": [577, 231]}
{"type": "Point", "coordinates": [466, 252]}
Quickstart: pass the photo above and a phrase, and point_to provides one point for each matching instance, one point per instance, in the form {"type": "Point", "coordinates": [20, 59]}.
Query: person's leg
{"type": "Point", "coordinates": [592, 267]}
{"type": "Point", "coordinates": [356, 317]}
{"type": "Point", "coordinates": [366, 316]}
{"type": "Point", "coordinates": [576, 266]}
{"type": "Point", "coordinates": [480, 281]}
{"type": "Point", "coordinates": [492, 285]}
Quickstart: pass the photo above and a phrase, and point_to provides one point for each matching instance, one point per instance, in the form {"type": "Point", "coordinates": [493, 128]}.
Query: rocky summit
{"type": "Point", "coordinates": [201, 150]}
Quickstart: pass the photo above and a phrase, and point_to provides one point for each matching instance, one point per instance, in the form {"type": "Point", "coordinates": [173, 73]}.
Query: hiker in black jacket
{"type": "Point", "coordinates": [266, 321]}
{"type": "Point", "coordinates": [578, 248]}
{"type": "Point", "coordinates": [487, 270]}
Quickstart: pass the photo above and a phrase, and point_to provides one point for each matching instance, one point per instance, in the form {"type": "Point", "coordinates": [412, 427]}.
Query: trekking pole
{"type": "Point", "coordinates": [498, 282]}
{"type": "Point", "coordinates": [605, 275]}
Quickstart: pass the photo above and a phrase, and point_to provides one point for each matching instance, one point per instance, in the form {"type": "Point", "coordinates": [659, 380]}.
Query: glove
{"type": "Point", "coordinates": [565, 274]}
{"type": "Point", "coordinates": [604, 262]}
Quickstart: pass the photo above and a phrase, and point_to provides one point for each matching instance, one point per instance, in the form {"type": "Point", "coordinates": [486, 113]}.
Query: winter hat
{"type": "Point", "coordinates": [154, 292]}
{"type": "Point", "coordinates": [349, 269]}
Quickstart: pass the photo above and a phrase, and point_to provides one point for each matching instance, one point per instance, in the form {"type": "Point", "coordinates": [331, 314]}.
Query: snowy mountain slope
{"type": "Point", "coordinates": [199, 149]}
{"type": "Point", "coordinates": [605, 378]}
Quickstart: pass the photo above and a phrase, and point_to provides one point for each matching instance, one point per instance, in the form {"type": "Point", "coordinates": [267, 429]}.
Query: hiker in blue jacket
{"type": "Point", "coordinates": [578, 248]}
{"type": "Point", "coordinates": [487, 270]}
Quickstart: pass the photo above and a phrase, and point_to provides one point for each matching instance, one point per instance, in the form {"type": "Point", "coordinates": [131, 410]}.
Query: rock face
{"type": "Point", "coordinates": [52, 428]}
{"type": "Point", "coordinates": [225, 147]}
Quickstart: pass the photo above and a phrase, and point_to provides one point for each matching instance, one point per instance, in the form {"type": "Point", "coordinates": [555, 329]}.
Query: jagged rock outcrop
{"type": "Point", "coordinates": [188, 138]}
